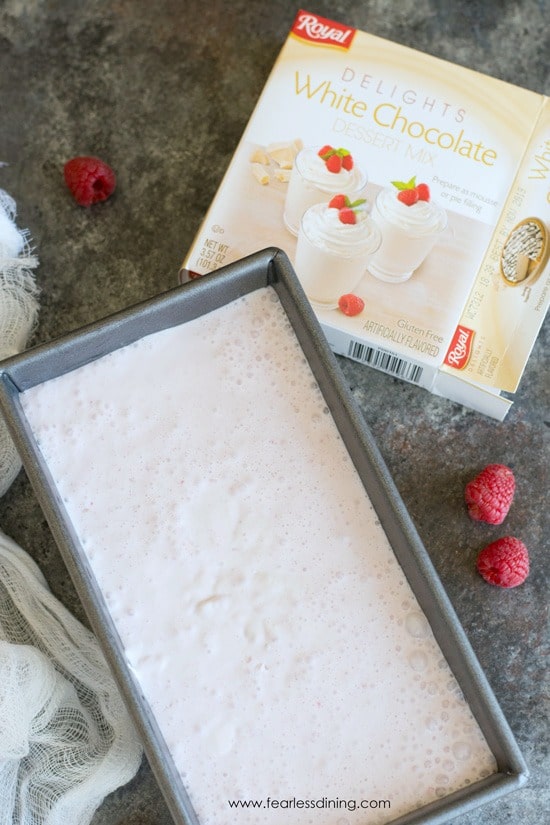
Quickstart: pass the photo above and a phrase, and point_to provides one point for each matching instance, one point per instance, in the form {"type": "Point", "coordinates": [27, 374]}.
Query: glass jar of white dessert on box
{"type": "Point", "coordinates": [336, 242]}
{"type": "Point", "coordinates": [317, 174]}
{"type": "Point", "coordinates": [410, 224]}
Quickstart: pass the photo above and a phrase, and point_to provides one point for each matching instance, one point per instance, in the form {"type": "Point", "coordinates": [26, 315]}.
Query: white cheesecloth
{"type": "Point", "coordinates": [18, 313]}
{"type": "Point", "coordinates": [66, 739]}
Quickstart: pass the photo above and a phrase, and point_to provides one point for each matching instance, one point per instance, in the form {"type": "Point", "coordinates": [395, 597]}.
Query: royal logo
{"type": "Point", "coordinates": [317, 29]}
{"type": "Point", "coordinates": [460, 350]}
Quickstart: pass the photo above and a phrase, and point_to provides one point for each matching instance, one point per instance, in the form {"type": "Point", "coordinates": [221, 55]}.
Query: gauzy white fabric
{"type": "Point", "coordinates": [18, 313]}
{"type": "Point", "coordinates": [66, 739]}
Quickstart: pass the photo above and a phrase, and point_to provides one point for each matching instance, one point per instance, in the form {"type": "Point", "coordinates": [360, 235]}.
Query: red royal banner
{"type": "Point", "coordinates": [315, 29]}
{"type": "Point", "coordinates": [460, 349]}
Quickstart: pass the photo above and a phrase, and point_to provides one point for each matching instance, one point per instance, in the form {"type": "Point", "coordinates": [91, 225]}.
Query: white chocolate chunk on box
{"type": "Point", "coordinates": [259, 156]}
{"type": "Point", "coordinates": [282, 154]}
{"type": "Point", "coordinates": [282, 175]}
{"type": "Point", "coordinates": [260, 173]}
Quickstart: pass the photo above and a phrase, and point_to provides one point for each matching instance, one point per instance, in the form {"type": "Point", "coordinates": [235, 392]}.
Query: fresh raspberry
{"type": "Point", "coordinates": [334, 164]}
{"type": "Point", "coordinates": [89, 179]}
{"type": "Point", "coordinates": [504, 562]}
{"type": "Point", "coordinates": [408, 196]}
{"type": "Point", "coordinates": [347, 162]}
{"type": "Point", "coordinates": [339, 201]}
{"type": "Point", "coordinates": [423, 191]}
{"type": "Point", "coordinates": [347, 215]}
{"type": "Point", "coordinates": [489, 495]}
{"type": "Point", "coordinates": [351, 304]}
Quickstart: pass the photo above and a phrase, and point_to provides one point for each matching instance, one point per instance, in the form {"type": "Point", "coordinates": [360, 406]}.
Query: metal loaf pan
{"type": "Point", "coordinates": [269, 267]}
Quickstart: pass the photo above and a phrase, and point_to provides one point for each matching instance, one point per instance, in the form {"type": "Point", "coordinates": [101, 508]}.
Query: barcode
{"type": "Point", "coordinates": [385, 361]}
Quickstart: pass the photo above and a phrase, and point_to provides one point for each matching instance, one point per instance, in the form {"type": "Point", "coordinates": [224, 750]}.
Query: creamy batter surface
{"type": "Point", "coordinates": [260, 606]}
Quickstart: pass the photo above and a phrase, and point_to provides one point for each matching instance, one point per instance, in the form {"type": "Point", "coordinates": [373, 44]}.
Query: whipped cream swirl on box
{"type": "Point", "coordinates": [422, 218]}
{"type": "Point", "coordinates": [325, 230]}
{"type": "Point", "coordinates": [314, 169]}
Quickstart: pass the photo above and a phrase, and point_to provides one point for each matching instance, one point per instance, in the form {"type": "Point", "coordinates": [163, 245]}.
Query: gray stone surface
{"type": "Point", "coordinates": [163, 90]}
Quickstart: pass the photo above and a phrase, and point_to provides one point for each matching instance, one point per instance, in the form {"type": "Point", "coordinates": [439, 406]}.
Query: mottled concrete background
{"type": "Point", "coordinates": [163, 90]}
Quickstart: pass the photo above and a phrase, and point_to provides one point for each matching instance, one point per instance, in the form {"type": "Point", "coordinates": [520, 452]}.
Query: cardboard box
{"type": "Point", "coordinates": [464, 323]}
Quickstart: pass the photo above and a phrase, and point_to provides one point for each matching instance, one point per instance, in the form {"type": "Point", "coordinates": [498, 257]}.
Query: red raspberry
{"type": "Point", "coordinates": [504, 562]}
{"type": "Point", "coordinates": [347, 215]}
{"type": "Point", "coordinates": [489, 495]}
{"type": "Point", "coordinates": [89, 179]}
{"type": "Point", "coordinates": [423, 191]}
{"type": "Point", "coordinates": [334, 164]}
{"type": "Point", "coordinates": [408, 196]}
{"type": "Point", "coordinates": [324, 150]}
{"type": "Point", "coordinates": [351, 304]}
{"type": "Point", "coordinates": [338, 202]}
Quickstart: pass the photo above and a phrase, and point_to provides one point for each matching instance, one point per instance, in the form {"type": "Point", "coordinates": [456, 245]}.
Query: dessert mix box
{"type": "Point", "coordinates": [412, 197]}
